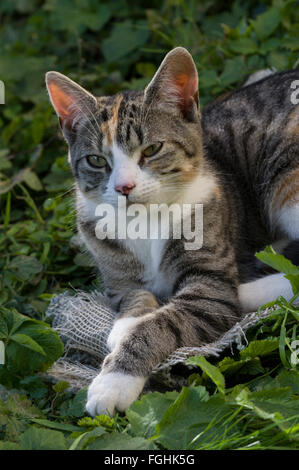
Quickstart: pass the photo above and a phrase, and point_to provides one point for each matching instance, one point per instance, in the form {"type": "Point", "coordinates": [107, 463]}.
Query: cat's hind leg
{"type": "Point", "coordinates": [257, 293]}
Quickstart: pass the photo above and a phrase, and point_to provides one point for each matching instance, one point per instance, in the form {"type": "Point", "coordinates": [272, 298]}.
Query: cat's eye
{"type": "Point", "coordinates": [152, 150]}
{"type": "Point", "coordinates": [96, 161]}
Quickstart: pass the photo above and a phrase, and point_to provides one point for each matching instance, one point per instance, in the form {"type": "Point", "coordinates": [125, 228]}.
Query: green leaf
{"type": "Point", "coordinates": [212, 371]}
{"type": "Point", "coordinates": [278, 60]}
{"type": "Point", "coordinates": [282, 345]}
{"type": "Point", "coordinates": [290, 43]}
{"type": "Point", "coordinates": [144, 414]}
{"type": "Point", "coordinates": [294, 280]}
{"type": "Point", "coordinates": [42, 439]}
{"type": "Point", "coordinates": [15, 411]}
{"type": "Point", "coordinates": [23, 360]}
{"type": "Point", "coordinates": [271, 404]}
{"type": "Point", "coordinates": [266, 23]}
{"type": "Point", "coordinates": [35, 386]}
{"type": "Point", "coordinates": [32, 180]}
{"type": "Point", "coordinates": [228, 366]}
{"type": "Point", "coordinates": [125, 38]}
{"type": "Point", "coordinates": [207, 78]}
{"type": "Point", "coordinates": [100, 420]}
{"type": "Point", "coordinates": [59, 178]}
{"type": "Point", "coordinates": [118, 441]}
{"type": "Point", "coordinates": [27, 342]}
{"type": "Point", "coordinates": [272, 394]}
{"type": "Point", "coordinates": [10, 446]}
{"type": "Point", "coordinates": [3, 327]}
{"type": "Point", "coordinates": [288, 378]}
{"type": "Point", "coordinates": [277, 261]}
{"type": "Point", "coordinates": [189, 415]}
{"type": "Point", "coordinates": [243, 46]}
{"type": "Point", "coordinates": [146, 69]}
{"type": "Point", "coordinates": [234, 71]}
{"type": "Point", "coordinates": [13, 319]}
{"type": "Point", "coordinates": [25, 267]}
{"type": "Point", "coordinates": [61, 386]}
{"type": "Point", "coordinates": [260, 347]}
{"type": "Point", "coordinates": [65, 17]}
{"type": "Point", "coordinates": [76, 407]}
{"type": "Point", "coordinates": [85, 438]}
{"type": "Point", "coordinates": [4, 162]}
{"type": "Point", "coordinates": [56, 425]}
{"type": "Point", "coordinates": [282, 264]}
{"type": "Point", "coordinates": [269, 45]}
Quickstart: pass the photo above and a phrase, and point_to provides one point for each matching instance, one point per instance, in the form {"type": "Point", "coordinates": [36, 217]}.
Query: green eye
{"type": "Point", "coordinates": [96, 161]}
{"type": "Point", "coordinates": [152, 149]}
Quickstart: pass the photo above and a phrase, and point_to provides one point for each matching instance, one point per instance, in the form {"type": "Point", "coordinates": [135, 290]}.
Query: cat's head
{"type": "Point", "coordinates": [146, 145]}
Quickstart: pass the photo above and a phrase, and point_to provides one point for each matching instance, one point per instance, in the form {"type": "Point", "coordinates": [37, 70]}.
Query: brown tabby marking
{"type": "Point", "coordinates": [288, 191]}
{"type": "Point", "coordinates": [109, 128]}
{"type": "Point", "coordinates": [292, 127]}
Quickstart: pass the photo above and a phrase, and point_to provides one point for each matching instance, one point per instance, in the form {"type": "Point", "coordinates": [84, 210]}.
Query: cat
{"type": "Point", "coordinates": [239, 158]}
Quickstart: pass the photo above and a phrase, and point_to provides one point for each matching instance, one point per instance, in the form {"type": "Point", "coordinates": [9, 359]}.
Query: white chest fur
{"type": "Point", "coordinates": [149, 253]}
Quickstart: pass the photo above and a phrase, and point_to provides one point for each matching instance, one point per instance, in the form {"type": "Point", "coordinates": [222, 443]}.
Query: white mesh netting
{"type": "Point", "coordinates": [84, 321]}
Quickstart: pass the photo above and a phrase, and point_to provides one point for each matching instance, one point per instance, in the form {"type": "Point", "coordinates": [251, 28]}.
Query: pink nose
{"type": "Point", "coordinates": [125, 188]}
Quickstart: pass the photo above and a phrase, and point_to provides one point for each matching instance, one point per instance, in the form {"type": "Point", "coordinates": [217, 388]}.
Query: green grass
{"type": "Point", "coordinates": [245, 401]}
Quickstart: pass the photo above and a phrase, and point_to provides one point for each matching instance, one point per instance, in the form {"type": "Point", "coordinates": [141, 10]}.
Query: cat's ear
{"type": "Point", "coordinates": [175, 83]}
{"type": "Point", "coordinates": [69, 99]}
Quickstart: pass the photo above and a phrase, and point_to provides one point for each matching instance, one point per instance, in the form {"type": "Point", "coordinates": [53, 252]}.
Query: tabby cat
{"type": "Point", "coordinates": [239, 158]}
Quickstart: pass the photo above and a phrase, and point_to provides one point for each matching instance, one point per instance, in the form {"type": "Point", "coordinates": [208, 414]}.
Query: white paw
{"type": "Point", "coordinates": [113, 391]}
{"type": "Point", "coordinates": [120, 328]}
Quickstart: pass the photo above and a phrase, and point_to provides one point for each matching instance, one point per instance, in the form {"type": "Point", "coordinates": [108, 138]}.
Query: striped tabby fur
{"type": "Point", "coordinates": [240, 158]}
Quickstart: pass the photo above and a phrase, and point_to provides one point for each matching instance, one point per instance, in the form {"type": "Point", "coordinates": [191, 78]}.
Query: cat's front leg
{"type": "Point", "coordinates": [116, 387]}
{"type": "Point", "coordinates": [189, 320]}
{"type": "Point", "coordinates": [113, 391]}
{"type": "Point", "coordinates": [132, 306]}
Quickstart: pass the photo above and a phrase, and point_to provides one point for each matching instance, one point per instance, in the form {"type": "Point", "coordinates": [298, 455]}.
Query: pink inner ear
{"type": "Point", "coordinates": [187, 86]}
{"type": "Point", "coordinates": [61, 100]}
